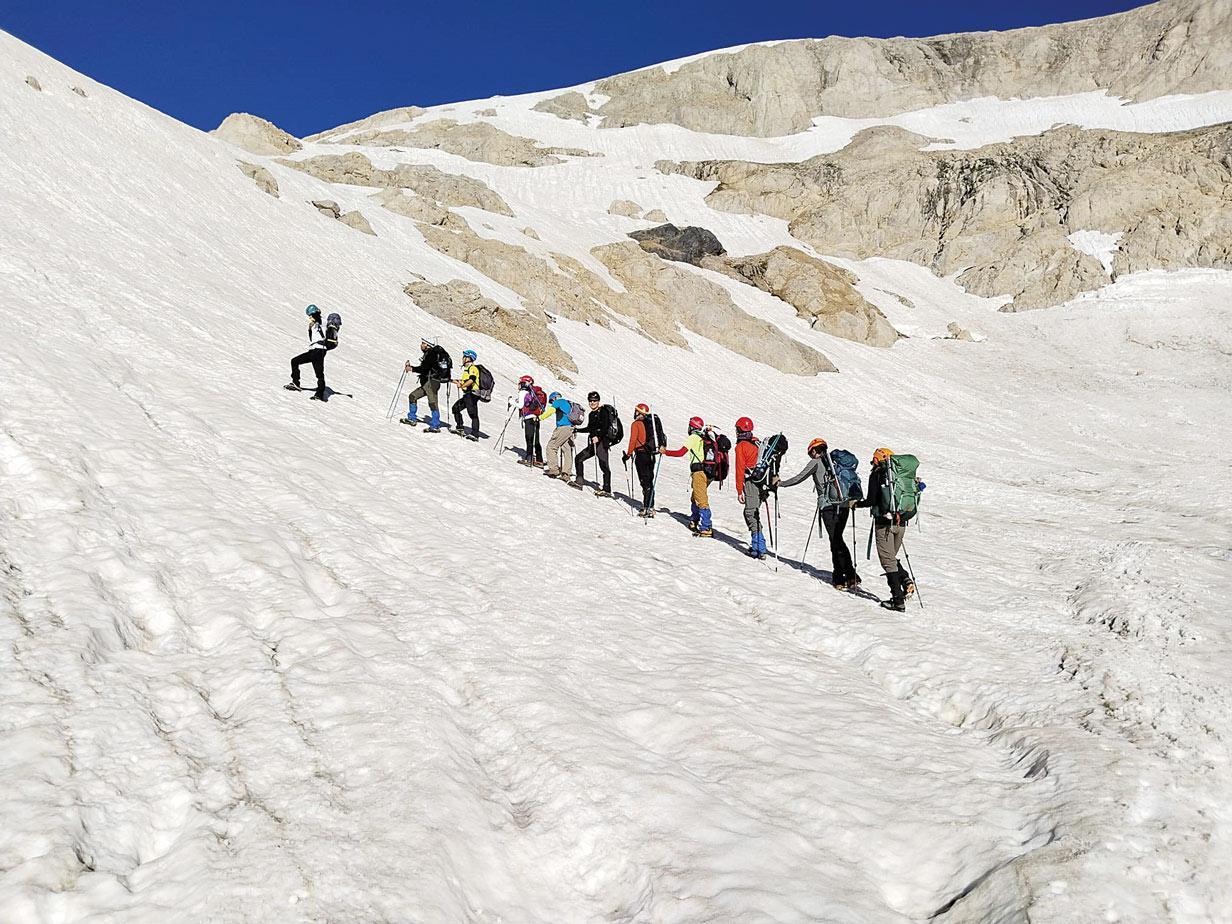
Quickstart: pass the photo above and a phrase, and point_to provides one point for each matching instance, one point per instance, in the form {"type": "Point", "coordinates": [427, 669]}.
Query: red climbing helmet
{"type": "Point", "coordinates": [526, 380]}
{"type": "Point", "coordinates": [696, 423]}
{"type": "Point", "coordinates": [642, 409]}
{"type": "Point", "coordinates": [744, 425]}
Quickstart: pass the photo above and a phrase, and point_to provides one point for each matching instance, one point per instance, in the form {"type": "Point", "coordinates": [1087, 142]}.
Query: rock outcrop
{"type": "Point", "coordinates": [572, 105]}
{"type": "Point", "coordinates": [263, 178]}
{"type": "Point", "coordinates": [684, 245]}
{"type": "Point", "coordinates": [414, 206]}
{"type": "Point", "coordinates": [462, 304]}
{"type": "Point", "coordinates": [354, 219]}
{"type": "Point", "coordinates": [255, 135]}
{"type": "Point", "coordinates": [355, 169]}
{"type": "Point", "coordinates": [823, 294]}
{"type": "Point", "coordinates": [1002, 215]}
{"type": "Point", "coordinates": [327, 207]}
{"type": "Point", "coordinates": [625, 208]}
{"type": "Point", "coordinates": [477, 141]}
{"type": "Point", "coordinates": [1176, 46]}
{"type": "Point", "coordinates": [33, 84]}
{"type": "Point", "coordinates": [398, 116]}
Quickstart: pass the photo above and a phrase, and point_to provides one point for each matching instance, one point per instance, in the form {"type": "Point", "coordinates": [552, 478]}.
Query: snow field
{"type": "Point", "coordinates": [271, 660]}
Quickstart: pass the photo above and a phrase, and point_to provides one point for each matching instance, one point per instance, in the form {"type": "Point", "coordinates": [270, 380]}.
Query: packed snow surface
{"type": "Point", "coordinates": [269, 659]}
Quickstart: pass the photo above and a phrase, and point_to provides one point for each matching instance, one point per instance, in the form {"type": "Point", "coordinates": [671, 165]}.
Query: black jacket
{"type": "Point", "coordinates": [875, 496]}
{"type": "Point", "coordinates": [428, 363]}
{"type": "Point", "coordinates": [597, 423]}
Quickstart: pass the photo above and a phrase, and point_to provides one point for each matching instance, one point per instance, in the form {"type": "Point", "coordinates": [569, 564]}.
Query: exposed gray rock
{"type": "Point", "coordinates": [486, 112]}
{"type": "Point", "coordinates": [33, 83]}
{"type": "Point", "coordinates": [655, 215]}
{"type": "Point", "coordinates": [625, 208]}
{"type": "Point", "coordinates": [255, 135]}
{"type": "Point", "coordinates": [531, 233]}
{"type": "Point", "coordinates": [685, 245]}
{"type": "Point", "coordinates": [356, 220]}
{"type": "Point", "coordinates": [355, 169]}
{"type": "Point", "coordinates": [263, 178]}
{"type": "Point", "coordinates": [477, 141]}
{"type": "Point", "coordinates": [411, 205]}
{"type": "Point", "coordinates": [572, 105]}
{"type": "Point", "coordinates": [955, 331]}
{"type": "Point", "coordinates": [327, 207]}
{"type": "Point", "coordinates": [80, 92]}
{"type": "Point", "coordinates": [1001, 215]}
{"type": "Point", "coordinates": [397, 116]}
{"type": "Point", "coordinates": [462, 304]}
{"type": "Point", "coordinates": [1177, 46]}
{"type": "Point", "coordinates": [823, 294]}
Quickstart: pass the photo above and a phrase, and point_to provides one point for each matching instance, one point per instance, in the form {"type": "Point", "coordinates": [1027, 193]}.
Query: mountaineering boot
{"type": "Point", "coordinates": [434, 424]}
{"type": "Point", "coordinates": [601, 493]}
{"type": "Point", "coordinates": [905, 581]}
{"type": "Point", "coordinates": [573, 483]}
{"type": "Point", "coordinates": [318, 397]}
{"type": "Point", "coordinates": [472, 437]}
{"type": "Point", "coordinates": [703, 534]}
{"type": "Point", "coordinates": [527, 462]}
{"type": "Point", "coordinates": [895, 602]}
{"type": "Point", "coordinates": [292, 386]}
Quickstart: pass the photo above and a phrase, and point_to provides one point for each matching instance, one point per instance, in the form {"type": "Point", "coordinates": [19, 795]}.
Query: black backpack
{"type": "Point", "coordinates": [441, 369]}
{"type": "Point", "coordinates": [486, 384]}
{"type": "Point", "coordinates": [768, 460]}
{"type": "Point", "coordinates": [655, 439]}
{"type": "Point", "coordinates": [613, 429]}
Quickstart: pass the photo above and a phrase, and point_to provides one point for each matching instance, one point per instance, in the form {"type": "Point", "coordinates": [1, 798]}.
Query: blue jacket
{"type": "Point", "coordinates": [561, 407]}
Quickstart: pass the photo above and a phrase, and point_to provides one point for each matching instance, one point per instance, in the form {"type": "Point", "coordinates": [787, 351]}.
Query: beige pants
{"type": "Point", "coordinates": [560, 451]}
{"type": "Point", "coordinates": [700, 494]}
{"type": "Point", "coordinates": [889, 542]}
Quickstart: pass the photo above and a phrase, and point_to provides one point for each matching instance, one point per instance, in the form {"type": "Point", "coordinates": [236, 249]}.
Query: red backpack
{"type": "Point", "coordinates": [715, 447]}
{"type": "Point", "coordinates": [538, 399]}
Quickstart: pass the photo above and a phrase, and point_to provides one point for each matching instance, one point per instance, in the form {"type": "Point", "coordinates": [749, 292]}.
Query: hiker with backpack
{"type": "Point", "coordinates": [749, 492]}
{"type": "Point", "coordinates": [838, 488]}
{"type": "Point", "coordinates": [893, 498]}
{"type": "Point", "coordinates": [468, 399]}
{"type": "Point", "coordinates": [434, 369]}
{"type": "Point", "coordinates": [645, 442]}
{"type": "Point", "coordinates": [321, 339]}
{"type": "Point", "coordinates": [560, 446]}
{"type": "Point", "coordinates": [604, 429]}
{"type": "Point", "coordinates": [706, 450]}
{"type": "Point", "coordinates": [534, 402]}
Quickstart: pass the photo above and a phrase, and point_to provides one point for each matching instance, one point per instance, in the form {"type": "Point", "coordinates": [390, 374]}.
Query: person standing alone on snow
{"type": "Point", "coordinates": [320, 341]}
{"type": "Point", "coordinates": [468, 385]}
{"type": "Point", "coordinates": [433, 369]}
{"type": "Point", "coordinates": [597, 428]}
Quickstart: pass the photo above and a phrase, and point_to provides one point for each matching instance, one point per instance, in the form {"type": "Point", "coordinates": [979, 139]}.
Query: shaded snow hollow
{"type": "Point", "coordinates": [266, 659]}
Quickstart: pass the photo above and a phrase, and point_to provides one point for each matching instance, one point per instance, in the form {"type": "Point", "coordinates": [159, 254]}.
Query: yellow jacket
{"type": "Point", "coordinates": [469, 380]}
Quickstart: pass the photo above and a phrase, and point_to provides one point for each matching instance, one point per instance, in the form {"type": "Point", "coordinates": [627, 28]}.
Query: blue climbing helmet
{"type": "Point", "coordinates": [470, 354]}
{"type": "Point", "coordinates": [553, 396]}
{"type": "Point", "coordinates": [312, 310]}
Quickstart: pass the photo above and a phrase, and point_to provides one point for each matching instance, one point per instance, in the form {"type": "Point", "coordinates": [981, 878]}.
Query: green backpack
{"type": "Point", "coordinates": [902, 491]}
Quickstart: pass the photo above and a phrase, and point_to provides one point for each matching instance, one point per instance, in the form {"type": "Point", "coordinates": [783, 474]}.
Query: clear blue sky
{"type": "Point", "coordinates": [310, 65]}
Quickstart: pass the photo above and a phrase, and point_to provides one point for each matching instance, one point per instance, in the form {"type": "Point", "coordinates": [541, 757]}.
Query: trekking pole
{"type": "Point", "coordinates": [397, 394]}
{"type": "Point", "coordinates": [776, 530]}
{"type": "Point", "coordinates": [911, 571]}
{"type": "Point", "coordinates": [500, 442]}
{"type": "Point", "coordinates": [804, 554]}
{"type": "Point", "coordinates": [654, 487]}
{"type": "Point", "coordinates": [868, 553]}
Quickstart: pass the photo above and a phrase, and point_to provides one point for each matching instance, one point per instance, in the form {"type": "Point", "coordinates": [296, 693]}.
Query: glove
{"type": "Point", "coordinates": [922, 485]}
{"type": "Point", "coordinates": [774, 481]}
{"type": "Point", "coordinates": [624, 457]}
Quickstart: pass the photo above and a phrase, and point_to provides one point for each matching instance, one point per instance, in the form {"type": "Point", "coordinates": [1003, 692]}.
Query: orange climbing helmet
{"type": "Point", "coordinates": [880, 455]}
{"type": "Point", "coordinates": [818, 443]}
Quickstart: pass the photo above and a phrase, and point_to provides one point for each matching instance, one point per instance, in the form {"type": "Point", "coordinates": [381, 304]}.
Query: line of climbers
{"type": "Point", "coordinates": [892, 497]}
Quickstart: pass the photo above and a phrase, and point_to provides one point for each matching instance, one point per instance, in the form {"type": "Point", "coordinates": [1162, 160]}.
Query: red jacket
{"type": "Point", "coordinates": [746, 458]}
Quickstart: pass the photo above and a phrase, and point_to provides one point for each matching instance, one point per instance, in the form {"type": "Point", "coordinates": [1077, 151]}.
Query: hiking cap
{"type": "Point", "coordinates": [744, 425]}
{"type": "Point", "coordinates": [311, 310]}
{"type": "Point", "coordinates": [880, 455]}
{"type": "Point", "coordinates": [593, 396]}
{"type": "Point", "coordinates": [423, 340]}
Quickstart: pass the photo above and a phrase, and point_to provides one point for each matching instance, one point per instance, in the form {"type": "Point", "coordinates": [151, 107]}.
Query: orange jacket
{"type": "Point", "coordinates": [746, 458]}
{"type": "Point", "coordinates": [637, 435]}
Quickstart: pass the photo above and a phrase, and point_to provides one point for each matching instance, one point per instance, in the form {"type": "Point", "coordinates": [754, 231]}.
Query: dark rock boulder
{"type": "Point", "coordinates": [684, 245]}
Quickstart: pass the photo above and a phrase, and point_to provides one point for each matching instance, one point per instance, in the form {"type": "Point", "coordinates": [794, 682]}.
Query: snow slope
{"type": "Point", "coordinates": [266, 659]}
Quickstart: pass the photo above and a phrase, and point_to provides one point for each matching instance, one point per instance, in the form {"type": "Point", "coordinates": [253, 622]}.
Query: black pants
{"type": "Point", "coordinates": [469, 402]}
{"type": "Point", "coordinates": [835, 519]}
{"type": "Point", "coordinates": [595, 450]}
{"type": "Point", "coordinates": [534, 449]}
{"type": "Point", "coordinates": [317, 358]}
{"type": "Point", "coordinates": [644, 462]}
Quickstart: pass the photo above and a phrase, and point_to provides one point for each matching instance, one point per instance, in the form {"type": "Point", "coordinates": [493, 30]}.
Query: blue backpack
{"type": "Point", "coordinates": [846, 479]}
